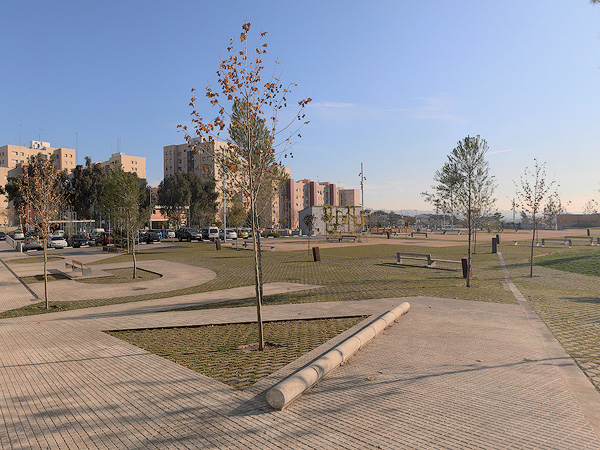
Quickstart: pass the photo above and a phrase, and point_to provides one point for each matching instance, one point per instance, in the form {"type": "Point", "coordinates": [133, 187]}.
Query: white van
{"type": "Point", "coordinates": [210, 233]}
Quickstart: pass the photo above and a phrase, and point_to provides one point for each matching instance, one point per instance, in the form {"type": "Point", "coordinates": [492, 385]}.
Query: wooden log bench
{"type": "Point", "coordinates": [77, 265]}
{"type": "Point", "coordinates": [418, 233]}
{"type": "Point", "coordinates": [564, 241]}
{"type": "Point", "coordinates": [585, 238]}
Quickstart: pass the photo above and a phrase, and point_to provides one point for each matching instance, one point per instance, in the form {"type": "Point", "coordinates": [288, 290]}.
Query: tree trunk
{"type": "Point", "coordinates": [258, 284]}
{"type": "Point", "coordinates": [532, 243]}
{"type": "Point", "coordinates": [133, 256]}
{"type": "Point", "coordinates": [45, 244]}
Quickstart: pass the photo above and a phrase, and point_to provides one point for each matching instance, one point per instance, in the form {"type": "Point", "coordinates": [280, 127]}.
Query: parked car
{"type": "Point", "coordinates": [210, 233]}
{"type": "Point", "coordinates": [188, 234]}
{"type": "Point", "coordinates": [17, 235]}
{"type": "Point", "coordinates": [229, 234]}
{"type": "Point", "coordinates": [242, 233]}
{"type": "Point", "coordinates": [169, 234]}
{"type": "Point", "coordinates": [2, 236]}
{"type": "Point", "coordinates": [32, 242]}
{"type": "Point", "coordinates": [77, 240]}
{"type": "Point", "coordinates": [104, 238]}
{"type": "Point", "coordinates": [149, 237]}
{"type": "Point", "coordinates": [159, 232]}
{"type": "Point", "coordinates": [56, 242]}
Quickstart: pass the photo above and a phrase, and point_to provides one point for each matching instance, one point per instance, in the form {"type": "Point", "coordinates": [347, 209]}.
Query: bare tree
{"type": "Point", "coordinates": [248, 109]}
{"type": "Point", "coordinates": [533, 191]}
{"type": "Point", "coordinates": [42, 189]}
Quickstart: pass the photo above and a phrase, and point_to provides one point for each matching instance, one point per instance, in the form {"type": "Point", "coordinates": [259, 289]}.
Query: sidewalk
{"type": "Point", "coordinates": [449, 374]}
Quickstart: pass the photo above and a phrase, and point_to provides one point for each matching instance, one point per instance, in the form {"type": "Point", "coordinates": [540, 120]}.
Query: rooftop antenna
{"type": "Point", "coordinates": [76, 145]}
{"type": "Point", "coordinates": [20, 134]}
{"type": "Point", "coordinates": [119, 144]}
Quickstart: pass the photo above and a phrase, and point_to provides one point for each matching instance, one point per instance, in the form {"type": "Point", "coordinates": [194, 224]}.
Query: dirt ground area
{"type": "Point", "coordinates": [433, 240]}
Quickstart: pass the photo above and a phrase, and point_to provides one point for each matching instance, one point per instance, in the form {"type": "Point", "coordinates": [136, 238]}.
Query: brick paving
{"type": "Point", "coordinates": [450, 374]}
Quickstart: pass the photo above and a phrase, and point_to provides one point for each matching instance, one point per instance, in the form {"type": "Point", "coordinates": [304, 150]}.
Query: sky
{"type": "Point", "coordinates": [395, 84]}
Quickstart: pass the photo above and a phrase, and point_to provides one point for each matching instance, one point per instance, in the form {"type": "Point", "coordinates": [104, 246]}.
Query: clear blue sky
{"type": "Point", "coordinates": [395, 83]}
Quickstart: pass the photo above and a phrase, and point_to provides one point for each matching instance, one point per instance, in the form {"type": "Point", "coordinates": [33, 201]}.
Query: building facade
{"type": "Point", "coordinates": [12, 155]}
{"type": "Point", "coordinates": [133, 164]}
{"type": "Point", "coordinates": [296, 196]}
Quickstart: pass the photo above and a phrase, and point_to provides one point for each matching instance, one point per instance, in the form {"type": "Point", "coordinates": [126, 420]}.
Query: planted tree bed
{"type": "Point", "coordinates": [229, 354]}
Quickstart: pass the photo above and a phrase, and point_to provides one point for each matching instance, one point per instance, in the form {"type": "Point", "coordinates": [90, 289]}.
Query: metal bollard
{"type": "Point", "coordinates": [465, 266]}
{"type": "Point", "coordinates": [494, 245]}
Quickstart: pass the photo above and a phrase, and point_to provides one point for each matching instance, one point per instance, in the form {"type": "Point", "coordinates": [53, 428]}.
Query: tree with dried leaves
{"type": "Point", "coordinates": [248, 111]}
{"type": "Point", "coordinates": [473, 186]}
{"type": "Point", "coordinates": [533, 191]}
{"type": "Point", "coordinates": [553, 208]}
{"type": "Point", "coordinates": [43, 192]}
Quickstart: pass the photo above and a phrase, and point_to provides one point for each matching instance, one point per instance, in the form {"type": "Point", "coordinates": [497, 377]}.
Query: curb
{"type": "Point", "coordinates": [296, 384]}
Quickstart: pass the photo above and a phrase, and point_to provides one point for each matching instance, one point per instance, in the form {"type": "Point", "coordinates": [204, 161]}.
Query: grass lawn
{"type": "Point", "coordinates": [218, 351]}
{"type": "Point", "coordinates": [346, 273]}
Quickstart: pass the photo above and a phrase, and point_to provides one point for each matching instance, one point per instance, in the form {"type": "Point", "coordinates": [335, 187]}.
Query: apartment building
{"type": "Point", "coordinates": [298, 195]}
{"type": "Point", "coordinates": [12, 155]}
{"type": "Point", "coordinates": [15, 158]}
{"type": "Point", "coordinates": [133, 164]}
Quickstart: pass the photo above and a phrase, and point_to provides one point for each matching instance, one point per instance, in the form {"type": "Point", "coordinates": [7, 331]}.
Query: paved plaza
{"type": "Point", "coordinates": [449, 374]}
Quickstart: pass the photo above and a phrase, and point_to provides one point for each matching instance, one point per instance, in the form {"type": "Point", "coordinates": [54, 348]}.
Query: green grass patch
{"type": "Point", "coordinates": [582, 262]}
{"type": "Point", "coordinates": [40, 278]}
{"type": "Point", "coordinates": [217, 350]}
{"type": "Point", "coordinates": [122, 276]}
{"type": "Point", "coordinates": [32, 260]}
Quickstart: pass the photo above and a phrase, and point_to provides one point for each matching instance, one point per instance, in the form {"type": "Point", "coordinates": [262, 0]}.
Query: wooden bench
{"type": "Point", "coordinates": [418, 233]}
{"type": "Point", "coordinates": [431, 262]}
{"type": "Point", "coordinates": [451, 231]}
{"type": "Point", "coordinates": [332, 239]}
{"type": "Point", "coordinates": [77, 265]}
{"type": "Point", "coordinates": [112, 248]}
{"type": "Point", "coordinates": [247, 245]}
{"type": "Point", "coordinates": [418, 256]}
{"type": "Point", "coordinates": [587, 238]}
{"type": "Point", "coordinates": [564, 241]}
{"type": "Point", "coordinates": [348, 237]}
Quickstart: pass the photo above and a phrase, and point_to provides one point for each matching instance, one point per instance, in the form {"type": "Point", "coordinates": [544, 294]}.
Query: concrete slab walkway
{"type": "Point", "coordinates": [450, 374]}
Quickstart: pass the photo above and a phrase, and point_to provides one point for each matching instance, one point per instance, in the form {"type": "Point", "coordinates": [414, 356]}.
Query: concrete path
{"type": "Point", "coordinates": [174, 276]}
{"type": "Point", "coordinates": [449, 374]}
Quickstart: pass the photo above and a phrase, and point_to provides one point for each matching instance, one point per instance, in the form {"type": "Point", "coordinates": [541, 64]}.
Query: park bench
{"type": "Point", "coordinates": [332, 239]}
{"type": "Point", "coordinates": [77, 265]}
{"type": "Point", "coordinates": [348, 238]}
{"type": "Point", "coordinates": [112, 248]}
{"type": "Point", "coordinates": [418, 233]}
{"type": "Point", "coordinates": [564, 241]}
{"type": "Point", "coordinates": [585, 238]}
{"type": "Point", "coordinates": [451, 231]}
{"type": "Point", "coordinates": [431, 262]}
{"type": "Point", "coordinates": [247, 245]}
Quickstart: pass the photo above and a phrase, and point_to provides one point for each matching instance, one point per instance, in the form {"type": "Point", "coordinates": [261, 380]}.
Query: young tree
{"type": "Point", "coordinates": [474, 186]}
{"type": "Point", "coordinates": [444, 192]}
{"type": "Point", "coordinates": [533, 191]}
{"type": "Point", "coordinates": [309, 221]}
{"type": "Point", "coordinates": [255, 143]}
{"type": "Point", "coordinates": [553, 208]}
{"type": "Point", "coordinates": [591, 207]}
{"type": "Point", "coordinates": [236, 215]}
{"type": "Point", "coordinates": [120, 201]}
{"type": "Point", "coordinates": [42, 190]}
